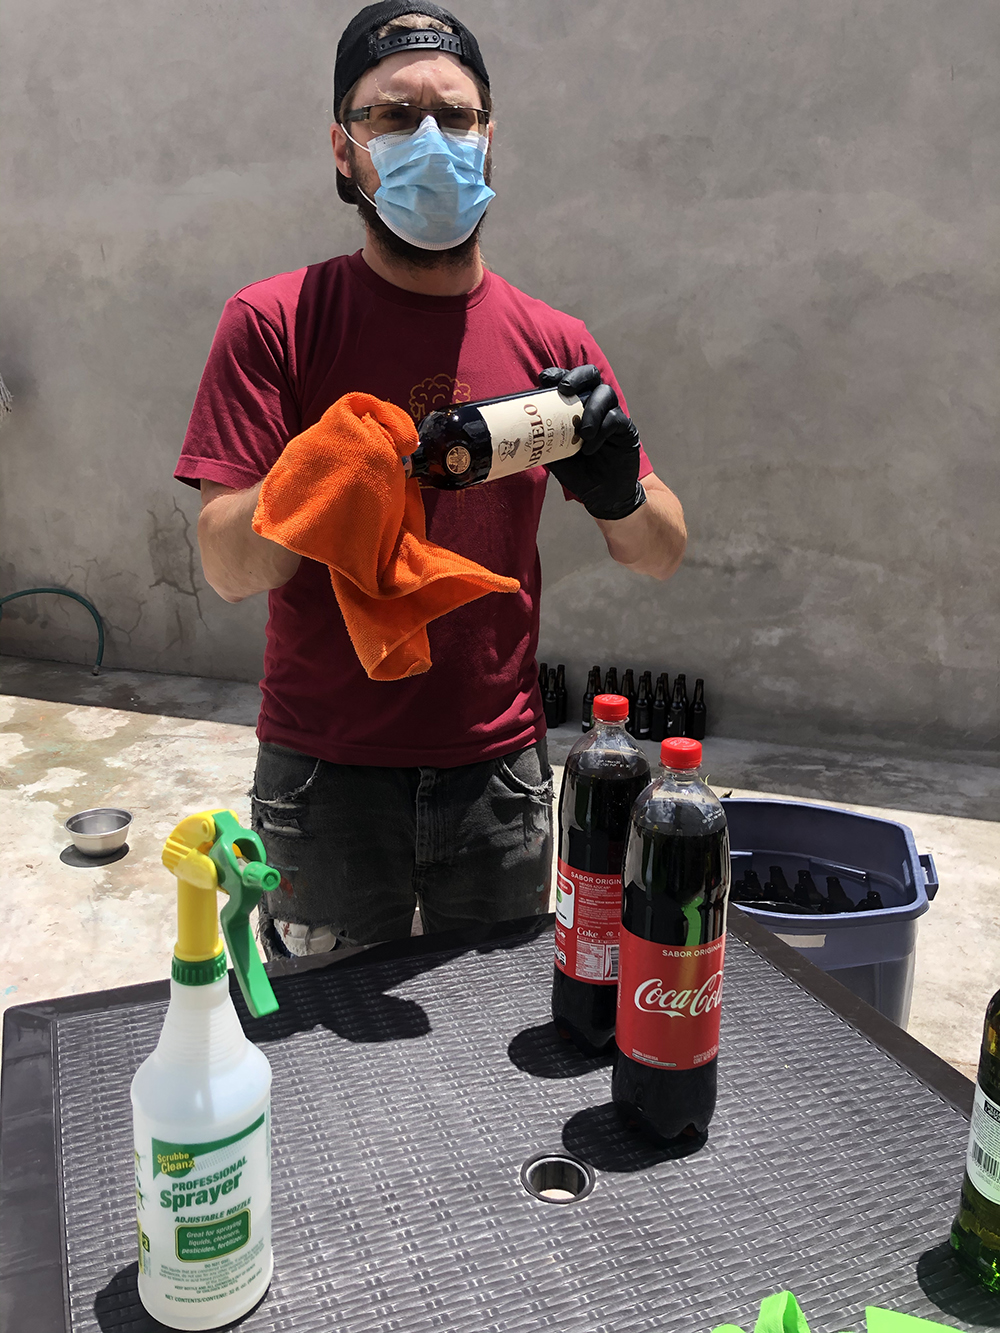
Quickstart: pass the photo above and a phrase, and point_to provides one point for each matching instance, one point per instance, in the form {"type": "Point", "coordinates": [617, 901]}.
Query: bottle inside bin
{"type": "Point", "coordinates": [605, 772]}
{"type": "Point", "coordinates": [672, 945]}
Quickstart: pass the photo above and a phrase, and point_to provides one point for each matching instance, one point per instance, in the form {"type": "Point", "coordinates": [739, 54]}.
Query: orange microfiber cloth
{"type": "Point", "coordinates": [338, 494]}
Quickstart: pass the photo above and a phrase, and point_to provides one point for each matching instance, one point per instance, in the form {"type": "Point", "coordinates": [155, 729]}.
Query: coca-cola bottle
{"type": "Point", "coordinates": [605, 771]}
{"type": "Point", "coordinates": [975, 1232]}
{"type": "Point", "coordinates": [672, 944]}
{"type": "Point", "coordinates": [468, 443]}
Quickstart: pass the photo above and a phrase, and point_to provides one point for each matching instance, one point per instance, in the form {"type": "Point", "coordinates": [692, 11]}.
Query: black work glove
{"type": "Point", "coordinates": [605, 473]}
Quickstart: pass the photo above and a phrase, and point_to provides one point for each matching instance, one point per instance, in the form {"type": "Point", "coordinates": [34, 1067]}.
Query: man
{"type": "Point", "coordinates": [370, 796]}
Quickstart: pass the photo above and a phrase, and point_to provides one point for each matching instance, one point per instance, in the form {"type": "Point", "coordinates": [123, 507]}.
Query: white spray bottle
{"type": "Point", "coordinates": [201, 1101]}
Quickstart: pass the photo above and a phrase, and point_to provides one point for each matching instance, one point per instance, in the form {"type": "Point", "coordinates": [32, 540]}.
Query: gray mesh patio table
{"type": "Point", "coordinates": [411, 1082]}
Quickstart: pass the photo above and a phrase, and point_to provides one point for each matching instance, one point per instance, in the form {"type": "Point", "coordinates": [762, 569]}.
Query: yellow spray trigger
{"type": "Point", "coordinates": [211, 851]}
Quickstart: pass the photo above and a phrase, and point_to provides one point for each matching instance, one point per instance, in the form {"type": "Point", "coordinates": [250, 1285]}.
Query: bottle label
{"type": "Point", "coordinates": [983, 1160]}
{"type": "Point", "coordinates": [669, 1002]}
{"type": "Point", "coordinates": [203, 1214]}
{"type": "Point", "coordinates": [529, 431]}
{"type": "Point", "coordinates": [588, 919]}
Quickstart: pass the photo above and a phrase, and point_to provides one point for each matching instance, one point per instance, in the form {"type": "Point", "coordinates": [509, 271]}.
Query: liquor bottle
{"type": "Point", "coordinates": [806, 893]}
{"type": "Point", "coordinates": [658, 712]}
{"type": "Point", "coordinates": [975, 1232]}
{"type": "Point", "coordinates": [677, 712]}
{"type": "Point", "coordinates": [672, 944]}
{"type": "Point", "coordinates": [561, 696]}
{"type": "Point", "coordinates": [697, 713]}
{"type": "Point", "coordinates": [628, 690]}
{"type": "Point", "coordinates": [551, 700]}
{"type": "Point", "coordinates": [611, 681]}
{"type": "Point", "coordinates": [604, 773]}
{"type": "Point", "coordinates": [643, 710]}
{"type": "Point", "coordinates": [593, 686]}
{"type": "Point", "coordinates": [469, 443]}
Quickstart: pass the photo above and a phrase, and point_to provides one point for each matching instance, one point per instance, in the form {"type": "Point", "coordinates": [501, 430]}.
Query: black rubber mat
{"type": "Point", "coordinates": [407, 1094]}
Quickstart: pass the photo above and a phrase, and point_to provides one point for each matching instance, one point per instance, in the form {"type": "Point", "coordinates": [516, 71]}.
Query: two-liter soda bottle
{"type": "Point", "coordinates": [672, 946]}
{"type": "Point", "coordinates": [605, 771]}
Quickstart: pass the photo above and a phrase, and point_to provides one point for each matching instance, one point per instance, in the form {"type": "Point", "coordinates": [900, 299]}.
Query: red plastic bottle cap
{"type": "Point", "coordinates": [610, 707]}
{"type": "Point", "coordinates": [679, 752]}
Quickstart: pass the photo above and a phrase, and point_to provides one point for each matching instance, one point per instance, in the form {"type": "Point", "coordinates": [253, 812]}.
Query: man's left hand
{"type": "Point", "coordinates": [605, 473]}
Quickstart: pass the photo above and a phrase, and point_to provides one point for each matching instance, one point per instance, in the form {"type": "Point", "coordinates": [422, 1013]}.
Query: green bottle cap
{"type": "Point", "coordinates": [199, 974]}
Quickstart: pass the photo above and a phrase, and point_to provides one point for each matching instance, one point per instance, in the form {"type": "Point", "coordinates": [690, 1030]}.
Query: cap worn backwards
{"type": "Point", "coordinates": [359, 47]}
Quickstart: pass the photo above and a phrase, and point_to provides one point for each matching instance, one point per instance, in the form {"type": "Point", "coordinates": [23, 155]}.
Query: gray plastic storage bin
{"type": "Point", "coordinates": [871, 953]}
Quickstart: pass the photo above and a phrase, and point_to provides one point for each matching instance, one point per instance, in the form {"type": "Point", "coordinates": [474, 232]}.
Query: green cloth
{"type": "Point", "coordinates": [780, 1313]}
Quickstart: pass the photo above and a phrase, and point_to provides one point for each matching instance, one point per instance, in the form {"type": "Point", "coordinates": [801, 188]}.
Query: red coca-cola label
{"type": "Point", "coordinates": [588, 918]}
{"type": "Point", "coordinates": [669, 1002]}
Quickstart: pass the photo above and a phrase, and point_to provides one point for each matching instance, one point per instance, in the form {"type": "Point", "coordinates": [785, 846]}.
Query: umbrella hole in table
{"type": "Point", "coordinates": [556, 1178]}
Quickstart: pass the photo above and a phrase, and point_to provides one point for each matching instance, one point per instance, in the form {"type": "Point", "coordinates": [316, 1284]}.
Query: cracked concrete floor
{"type": "Point", "coordinates": [165, 746]}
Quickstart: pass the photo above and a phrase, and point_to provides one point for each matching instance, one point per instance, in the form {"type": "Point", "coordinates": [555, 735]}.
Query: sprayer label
{"type": "Point", "coordinates": [983, 1160]}
{"type": "Point", "coordinates": [669, 1002]}
{"type": "Point", "coordinates": [204, 1224]}
{"type": "Point", "coordinates": [588, 918]}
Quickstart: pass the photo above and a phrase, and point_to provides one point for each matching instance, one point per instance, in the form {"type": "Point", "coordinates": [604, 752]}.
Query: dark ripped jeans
{"type": "Point", "coordinates": [359, 848]}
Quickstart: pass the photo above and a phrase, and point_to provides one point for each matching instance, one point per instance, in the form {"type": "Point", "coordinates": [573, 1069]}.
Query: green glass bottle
{"type": "Point", "coordinates": [975, 1233]}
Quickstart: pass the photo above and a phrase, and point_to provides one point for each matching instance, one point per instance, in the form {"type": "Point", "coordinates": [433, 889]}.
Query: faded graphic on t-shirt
{"type": "Point", "coordinates": [436, 392]}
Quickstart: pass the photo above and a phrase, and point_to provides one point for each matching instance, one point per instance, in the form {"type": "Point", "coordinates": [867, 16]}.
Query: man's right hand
{"type": "Point", "coordinates": [238, 563]}
{"type": "Point", "coordinates": [604, 475]}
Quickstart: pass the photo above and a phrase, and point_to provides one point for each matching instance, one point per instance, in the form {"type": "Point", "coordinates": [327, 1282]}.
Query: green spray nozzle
{"type": "Point", "coordinates": [212, 851]}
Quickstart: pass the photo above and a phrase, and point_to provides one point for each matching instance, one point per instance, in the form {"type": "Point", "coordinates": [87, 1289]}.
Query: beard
{"type": "Point", "coordinates": [393, 247]}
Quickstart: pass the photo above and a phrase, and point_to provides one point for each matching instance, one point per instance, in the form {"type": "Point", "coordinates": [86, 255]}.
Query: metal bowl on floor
{"type": "Point", "coordinates": [99, 832]}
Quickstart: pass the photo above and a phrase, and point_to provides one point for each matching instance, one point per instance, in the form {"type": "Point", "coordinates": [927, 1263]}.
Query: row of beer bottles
{"type": "Point", "coordinates": [653, 713]}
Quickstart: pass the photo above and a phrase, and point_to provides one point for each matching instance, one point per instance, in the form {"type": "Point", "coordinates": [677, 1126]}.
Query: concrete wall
{"type": "Point", "coordinates": [779, 217]}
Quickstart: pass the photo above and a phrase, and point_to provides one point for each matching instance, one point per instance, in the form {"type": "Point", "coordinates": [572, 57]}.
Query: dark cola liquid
{"type": "Point", "coordinates": [676, 883]}
{"type": "Point", "coordinates": [594, 813]}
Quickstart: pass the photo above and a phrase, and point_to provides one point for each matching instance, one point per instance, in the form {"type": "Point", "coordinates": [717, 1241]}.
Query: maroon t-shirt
{"type": "Point", "coordinates": [285, 350]}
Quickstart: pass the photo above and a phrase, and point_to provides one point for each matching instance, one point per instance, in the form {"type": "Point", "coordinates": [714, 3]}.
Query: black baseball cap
{"type": "Point", "coordinates": [359, 49]}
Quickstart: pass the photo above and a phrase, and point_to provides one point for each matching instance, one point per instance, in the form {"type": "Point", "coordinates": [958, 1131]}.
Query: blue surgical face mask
{"type": "Point", "coordinates": [432, 192]}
